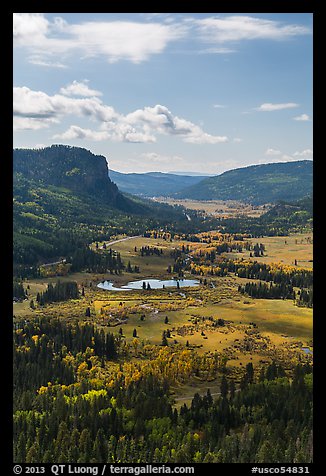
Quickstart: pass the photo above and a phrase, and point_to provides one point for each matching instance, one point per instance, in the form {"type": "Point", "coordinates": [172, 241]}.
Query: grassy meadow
{"type": "Point", "coordinates": [285, 250]}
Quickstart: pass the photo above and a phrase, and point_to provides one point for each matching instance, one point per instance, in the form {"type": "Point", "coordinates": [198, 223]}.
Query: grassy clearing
{"type": "Point", "coordinates": [224, 208]}
{"type": "Point", "coordinates": [150, 266]}
{"type": "Point", "coordinates": [284, 249]}
{"type": "Point", "coordinates": [270, 315]}
{"type": "Point", "coordinates": [184, 394]}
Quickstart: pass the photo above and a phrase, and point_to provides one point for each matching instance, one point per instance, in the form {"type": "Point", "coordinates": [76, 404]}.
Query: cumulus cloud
{"type": "Point", "coordinates": [307, 153]}
{"type": "Point", "coordinates": [29, 29]}
{"type": "Point", "coordinates": [276, 155]}
{"type": "Point", "coordinates": [33, 124]}
{"type": "Point", "coordinates": [36, 110]}
{"type": "Point", "coordinates": [115, 133]}
{"type": "Point", "coordinates": [79, 88]}
{"type": "Point", "coordinates": [268, 107]}
{"type": "Point", "coordinates": [302, 117]}
{"type": "Point", "coordinates": [40, 108]}
{"type": "Point", "coordinates": [76, 132]}
{"type": "Point", "coordinates": [159, 118]}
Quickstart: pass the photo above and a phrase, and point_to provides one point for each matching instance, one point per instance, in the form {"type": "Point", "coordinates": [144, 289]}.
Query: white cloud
{"type": "Point", "coordinates": [40, 108]}
{"type": "Point", "coordinates": [159, 158]}
{"type": "Point", "coordinates": [277, 156]}
{"type": "Point", "coordinates": [29, 29]}
{"type": "Point", "coordinates": [124, 40]}
{"type": "Point", "coordinates": [236, 28]}
{"type": "Point", "coordinates": [287, 158]}
{"type": "Point", "coordinates": [272, 152]}
{"type": "Point", "coordinates": [203, 138]}
{"type": "Point", "coordinates": [27, 123]}
{"type": "Point", "coordinates": [237, 140]}
{"type": "Point", "coordinates": [137, 41]}
{"type": "Point", "coordinates": [150, 161]}
{"type": "Point", "coordinates": [115, 133]}
{"type": "Point", "coordinates": [76, 132]}
{"type": "Point", "coordinates": [267, 107]}
{"type": "Point", "coordinates": [39, 61]}
{"type": "Point", "coordinates": [219, 106]}
{"type": "Point", "coordinates": [36, 110]}
{"type": "Point", "coordinates": [77, 88]}
{"type": "Point", "coordinates": [159, 118]}
{"type": "Point", "coordinates": [219, 51]}
{"type": "Point", "coordinates": [302, 117]}
{"type": "Point", "coordinates": [115, 40]}
{"type": "Point", "coordinates": [304, 153]}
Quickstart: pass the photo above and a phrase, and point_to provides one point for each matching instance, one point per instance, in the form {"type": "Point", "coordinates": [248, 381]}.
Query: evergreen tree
{"type": "Point", "coordinates": [224, 387]}
{"type": "Point", "coordinates": [164, 339]}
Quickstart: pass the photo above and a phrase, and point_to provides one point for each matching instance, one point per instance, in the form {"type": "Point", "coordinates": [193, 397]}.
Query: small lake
{"type": "Point", "coordinates": [154, 284]}
{"type": "Point", "coordinates": [306, 350]}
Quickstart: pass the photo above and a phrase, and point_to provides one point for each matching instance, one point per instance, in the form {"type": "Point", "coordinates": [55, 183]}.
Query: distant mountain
{"type": "Point", "coordinates": [189, 174]}
{"type": "Point", "coordinates": [256, 184]}
{"type": "Point", "coordinates": [152, 184]}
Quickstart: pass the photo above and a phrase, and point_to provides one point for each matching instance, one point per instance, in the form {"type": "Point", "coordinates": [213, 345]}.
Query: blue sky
{"type": "Point", "coordinates": [166, 92]}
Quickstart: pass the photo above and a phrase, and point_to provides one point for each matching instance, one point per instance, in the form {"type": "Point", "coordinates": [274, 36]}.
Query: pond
{"type": "Point", "coordinates": [306, 350]}
{"type": "Point", "coordinates": [153, 283]}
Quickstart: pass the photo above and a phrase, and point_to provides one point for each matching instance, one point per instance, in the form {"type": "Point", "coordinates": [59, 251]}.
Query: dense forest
{"type": "Point", "coordinates": [61, 291]}
{"type": "Point", "coordinates": [63, 412]}
{"type": "Point", "coordinates": [268, 291]}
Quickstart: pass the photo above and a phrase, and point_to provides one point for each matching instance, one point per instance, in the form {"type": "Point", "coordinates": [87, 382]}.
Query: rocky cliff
{"type": "Point", "coordinates": [73, 168]}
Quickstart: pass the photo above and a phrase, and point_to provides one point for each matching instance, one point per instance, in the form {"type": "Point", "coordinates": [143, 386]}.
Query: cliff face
{"type": "Point", "coordinates": [74, 168]}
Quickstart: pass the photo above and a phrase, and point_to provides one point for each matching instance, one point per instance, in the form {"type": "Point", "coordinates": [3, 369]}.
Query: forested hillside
{"type": "Point", "coordinates": [51, 221]}
{"type": "Point", "coordinates": [256, 184]}
{"type": "Point", "coordinates": [72, 168]}
{"type": "Point", "coordinates": [63, 199]}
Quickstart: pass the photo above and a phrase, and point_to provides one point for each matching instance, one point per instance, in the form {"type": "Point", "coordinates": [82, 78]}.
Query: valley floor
{"type": "Point", "coordinates": [253, 330]}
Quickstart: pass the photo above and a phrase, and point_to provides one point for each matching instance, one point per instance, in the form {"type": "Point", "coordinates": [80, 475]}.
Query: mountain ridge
{"type": "Point", "coordinates": [256, 184]}
{"type": "Point", "coordinates": [150, 184]}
